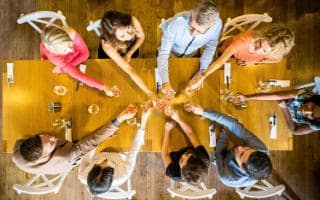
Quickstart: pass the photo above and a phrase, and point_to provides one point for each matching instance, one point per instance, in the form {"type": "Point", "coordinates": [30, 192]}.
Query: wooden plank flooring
{"type": "Point", "coordinates": [299, 168]}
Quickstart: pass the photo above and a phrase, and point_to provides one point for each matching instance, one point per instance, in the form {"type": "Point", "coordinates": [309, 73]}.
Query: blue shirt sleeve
{"type": "Point", "coordinates": [237, 129]}
{"type": "Point", "coordinates": [168, 37]}
{"type": "Point", "coordinates": [211, 46]}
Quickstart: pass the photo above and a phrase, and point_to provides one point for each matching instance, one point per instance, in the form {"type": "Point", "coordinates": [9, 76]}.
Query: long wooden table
{"type": "Point", "coordinates": [25, 104]}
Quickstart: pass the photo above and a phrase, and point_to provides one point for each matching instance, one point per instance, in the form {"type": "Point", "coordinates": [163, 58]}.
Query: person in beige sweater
{"type": "Point", "coordinates": [45, 154]}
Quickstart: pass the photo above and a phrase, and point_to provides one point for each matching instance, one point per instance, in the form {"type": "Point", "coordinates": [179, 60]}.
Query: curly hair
{"type": "Point", "coordinates": [194, 170]}
{"type": "Point", "coordinates": [100, 180]}
{"type": "Point", "coordinates": [110, 22]}
{"type": "Point", "coordinates": [280, 38]}
{"type": "Point", "coordinates": [31, 149]}
{"type": "Point", "coordinates": [258, 165]}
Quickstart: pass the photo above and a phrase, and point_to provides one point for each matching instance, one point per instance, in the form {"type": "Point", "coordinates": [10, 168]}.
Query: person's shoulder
{"type": "Point", "coordinates": [178, 21]}
{"type": "Point", "coordinates": [71, 32]}
{"type": "Point", "coordinates": [218, 22]}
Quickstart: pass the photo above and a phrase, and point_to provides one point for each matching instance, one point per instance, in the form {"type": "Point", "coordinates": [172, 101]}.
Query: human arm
{"type": "Point", "coordinates": [138, 141]}
{"type": "Point", "coordinates": [165, 154]}
{"type": "Point", "coordinates": [186, 129]}
{"type": "Point", "coordinates": [233, 125]}
{"type": "Point", "coordinates": [93, 140]}
{"type": "Point", "coordinates": [127, 68]}
{"type": "Point", "coordinates": [140, 38]}
{"type": "Point", "coordinates": [169, 33]}
{"type": "Point", "coordinates": [281, 95]}
{"type": "Point", "coordinates": [211, 46]}
{"type": "Point", "coordinates": [195, 83]}
{"type": "Point", "coordinates": [263, 61]}
{"type": "Point", "coordinates": [77, 74]}
{"type": "Point", "coordinates": [294, 127]}
{"type": "Point", "coordinates": [237, 129]}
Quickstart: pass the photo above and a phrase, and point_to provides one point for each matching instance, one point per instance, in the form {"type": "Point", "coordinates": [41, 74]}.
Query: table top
{"type": "Point", "coordinates": [25, 104]}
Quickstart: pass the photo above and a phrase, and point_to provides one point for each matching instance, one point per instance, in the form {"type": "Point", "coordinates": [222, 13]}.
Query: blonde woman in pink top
{"type": "Point", "coordinates": [65, 48]}
{"type": "Point", "coordinates": [269, 45]}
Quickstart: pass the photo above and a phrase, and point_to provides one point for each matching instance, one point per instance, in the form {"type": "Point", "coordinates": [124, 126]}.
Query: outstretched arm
{"type": "Point", "coordinates": [93, 140]}
{"type": "Point", "coordinates": [116, 57]}
{"type": "Point", "coordinates": [186, 129]}
{"type": "Point", "coordinates": [294, 127]}
{"type": "Point", "coordinates": [281, 95]}
{"type": "Point", "coordinates": [165, 153]}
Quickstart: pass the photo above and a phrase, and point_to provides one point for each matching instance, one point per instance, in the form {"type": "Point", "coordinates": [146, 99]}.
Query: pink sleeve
{"type": "Point", "coordinates": [77, 74]}
{"type": "Point", "coordinates": [43, 52]}
{"type": "Point", "coordinates": [83, 51]}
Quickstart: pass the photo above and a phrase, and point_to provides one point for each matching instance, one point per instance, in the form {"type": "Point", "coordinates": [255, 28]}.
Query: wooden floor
{"type": "Point", "coordinates": [299, 169]}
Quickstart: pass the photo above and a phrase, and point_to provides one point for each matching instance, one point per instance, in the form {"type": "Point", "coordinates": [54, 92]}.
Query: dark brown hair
{"type": "Point", "coordinates": [195, 169]}
{"type": "Point", "coordinates": [110, 22]}
{"type": "Point", "coordinates": [100, 180]}
{"type": "Point", "coordinates": [31, 148]}
{"type": "Point", "coordinates": [259, 166]}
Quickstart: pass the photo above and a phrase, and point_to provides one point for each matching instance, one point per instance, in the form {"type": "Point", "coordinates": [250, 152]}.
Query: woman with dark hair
{"type": "Point", "coordinates": [301, 108]}
{"type": "Point", "coordinates": [122, 35]}
{"type": "Point", "coordinates": [121, 32]}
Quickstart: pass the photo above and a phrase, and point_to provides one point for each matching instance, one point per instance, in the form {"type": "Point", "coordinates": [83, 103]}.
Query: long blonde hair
{"type": "Point", "coordinates": [280, 38]}
{"type": "Point", "coordinates": [53, 36]}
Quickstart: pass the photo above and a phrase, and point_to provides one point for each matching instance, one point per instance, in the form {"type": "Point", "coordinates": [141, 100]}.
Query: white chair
{"type": "Point", "coordinates": [116, 192]}
{"type": "Point", "coordinates": [43, 186]}
{"type": "Point", "coordinates": [48, 18]}
{"type": "Point", "coordinates": [262, 190]}
{"type": "Point", "coordinates": [188, 191]}
{"type": "Point", "coordinates": [119, 193]}
{"type": "Point", "coordinates": [243, 23]}
{"type": "Point", "coordinates": [95, 26]}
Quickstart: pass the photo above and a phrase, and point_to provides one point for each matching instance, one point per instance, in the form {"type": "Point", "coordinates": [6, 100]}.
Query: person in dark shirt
{"type": "Point", "coordinates": [189, 164]}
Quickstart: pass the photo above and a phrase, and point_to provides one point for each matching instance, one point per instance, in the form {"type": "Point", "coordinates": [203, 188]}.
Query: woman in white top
{"type": "Point", "coordinates": [104, 170]}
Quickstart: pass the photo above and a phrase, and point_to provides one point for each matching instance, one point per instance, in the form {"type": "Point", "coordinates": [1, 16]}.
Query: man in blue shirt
{"type": "Point", "coordinates": [185, 33]}
{"type": "Point", "coordinates": [243, 165]}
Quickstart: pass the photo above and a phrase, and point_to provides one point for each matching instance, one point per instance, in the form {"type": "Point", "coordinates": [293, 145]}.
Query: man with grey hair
{"type": "Point", "coordinates": [184, 34]}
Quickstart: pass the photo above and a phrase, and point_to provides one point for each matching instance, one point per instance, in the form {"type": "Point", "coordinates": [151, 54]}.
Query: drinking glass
{"type": "Point", "coordinates": [93, 109]}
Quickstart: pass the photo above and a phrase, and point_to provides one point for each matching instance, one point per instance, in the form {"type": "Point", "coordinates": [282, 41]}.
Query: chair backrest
{"type": "Point", "coordinates": [187, 191]}
{"type": "Point", "coordinates": [243, 23]}
{"type": "Point", "coordinates": [119, 193]}
{"type": "Point", "coordinates": [48, 18]}
{"type": "Point", "coordinates": [95, 26]}
{"type": "Point", "coordinates": [41, 184]}
{"type": "Point", "coordinates": [262, 190]}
